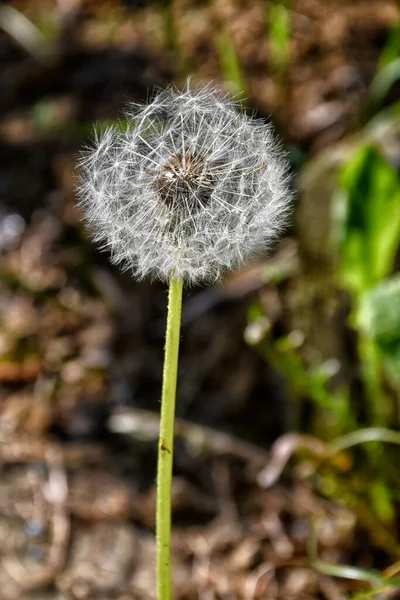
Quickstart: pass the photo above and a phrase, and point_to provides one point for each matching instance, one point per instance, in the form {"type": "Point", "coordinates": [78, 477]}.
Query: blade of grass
{"type": "Point", "coordinates": [344, 571]}
{"type": "Point", "coordinates": [231, 69]}
{"type": "Point", "coordinates": [369, 434]}
{"type": "Point", "coordinates": [279, 30]}
{"type": "Point", "coordinates": [371, 593]}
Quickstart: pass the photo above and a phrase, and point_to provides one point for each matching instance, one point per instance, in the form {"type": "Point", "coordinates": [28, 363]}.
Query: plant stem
{"type": "Point", "coordinates": [379, 411]}
{"type": "Point", "coordinates": [166, 441]}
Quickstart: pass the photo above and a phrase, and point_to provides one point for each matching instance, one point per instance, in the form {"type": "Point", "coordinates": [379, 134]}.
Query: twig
{"type": "Point", "coordinates": [264, 571]}
{"type": "Point", "coordinates": [143, 424]}
{"type": "Point", "coordinates": [281, 452]}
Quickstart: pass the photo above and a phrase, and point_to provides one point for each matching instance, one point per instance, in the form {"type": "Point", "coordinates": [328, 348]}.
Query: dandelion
{"type": "Point", "coordinates": [192, 187]}
{"type": "Point", "coordinates": [189, 189]}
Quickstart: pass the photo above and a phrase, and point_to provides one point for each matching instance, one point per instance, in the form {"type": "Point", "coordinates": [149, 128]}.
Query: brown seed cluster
{"type": "Point", "coordinates": [185, 180]}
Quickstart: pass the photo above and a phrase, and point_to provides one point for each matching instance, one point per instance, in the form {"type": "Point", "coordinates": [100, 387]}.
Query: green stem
{"type": "Point", "coordinates": [166, 441]}
{"type": "Point", "coordinates": [377, 403]}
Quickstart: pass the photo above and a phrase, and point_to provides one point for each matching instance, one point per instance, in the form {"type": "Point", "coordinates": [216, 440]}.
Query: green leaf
{"type": "Point", "coordinates": [391, 50]}
{"type": "Point", "coordinates": [382, 83]}
{"type": "Point", "coordinates": [379, 312]}
{"type": "Point", "coordinates": [379, 318]}
{"type": "Point", "coordinates": [369, 225]}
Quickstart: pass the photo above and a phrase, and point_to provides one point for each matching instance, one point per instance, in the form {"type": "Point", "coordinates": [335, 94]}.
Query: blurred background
{"type": "Point", "coordinates": [287, 453]}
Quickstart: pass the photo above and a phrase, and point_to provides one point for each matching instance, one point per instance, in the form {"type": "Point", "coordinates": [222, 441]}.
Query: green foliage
{"type": "Point", "coordinates": [304, 381]}
{"type": "Point", "coordinates": [368, 223]}
{"type": "Point", "coordinates": [379, 318]}
{"type": "Point", "coordinates": [368, 236]}
{"type": "Point", "coordinates": [379, 314]}
{"type": "Point", "coordinates": [279, 31]}
{"type": "Point", "coordinates": [391, 50]}
{"type": "Point", "coordinates": [230, 66]}
{"type": "Point", "coordinates": [387, 73]}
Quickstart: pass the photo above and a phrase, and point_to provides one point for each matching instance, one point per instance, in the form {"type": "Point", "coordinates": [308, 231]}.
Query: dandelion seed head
{"type": "Point", "coordinates": [191, 187]}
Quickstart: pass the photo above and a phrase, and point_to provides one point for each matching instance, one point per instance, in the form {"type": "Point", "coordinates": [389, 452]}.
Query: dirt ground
{"type": "Point", "coordinates": [81, 345]}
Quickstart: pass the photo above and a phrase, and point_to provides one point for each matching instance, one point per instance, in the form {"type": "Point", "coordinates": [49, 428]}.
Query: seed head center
{"type": "Point", "coordinates": [185, 180]}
